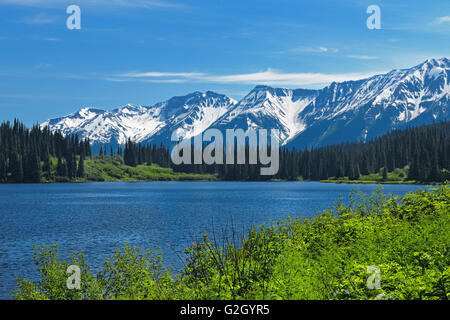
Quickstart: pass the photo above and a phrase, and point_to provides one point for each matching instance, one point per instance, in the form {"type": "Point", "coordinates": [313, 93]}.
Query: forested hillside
{"type": "Point", "coordinates": [25, 154]}
{"type": "Point", "coordinates": [419, 154]}
{"type": "Point", "coordinates": [38, 155]}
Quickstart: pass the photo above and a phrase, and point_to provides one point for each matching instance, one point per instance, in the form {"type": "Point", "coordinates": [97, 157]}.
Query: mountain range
{"type": "Point", "coordinates": [341, 112]}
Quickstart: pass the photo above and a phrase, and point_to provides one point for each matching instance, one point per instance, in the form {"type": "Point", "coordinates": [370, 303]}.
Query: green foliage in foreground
{"type": "Point", "coordinates": [326, 257]}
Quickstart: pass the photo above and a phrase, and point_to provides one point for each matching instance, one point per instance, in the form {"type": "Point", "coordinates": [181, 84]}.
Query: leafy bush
{"type": "Point", "coordinates": [327, 257]}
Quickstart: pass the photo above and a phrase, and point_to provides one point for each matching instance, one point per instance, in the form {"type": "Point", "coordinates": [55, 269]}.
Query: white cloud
{"type": "Point", "coordinates": [273, 77]}
{"type": "Point", "coordinates": [268, 77]}
{"type": "Point", "coordinates": [445, 19]}
{"type": "Point", "coordinates": [320, 49]}
{"type": "Point", "coordinates": [160, 74]}
{"type": "Point", "coordinates": [143, 4]}
{"type": "Point", "coordinates": [166, 80]}
{"type": "Point", "coordinates": [40, 18]}
{"type": "Point", "coordinates": [362, 57]}
{"type": "Point", "coordinates": [43, 66]}
{"type": "Point", "coordinates": [157, 77]}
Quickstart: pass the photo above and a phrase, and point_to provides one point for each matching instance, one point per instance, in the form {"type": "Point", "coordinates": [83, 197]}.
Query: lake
{"type": "Point", "coordinates": [97, 217]}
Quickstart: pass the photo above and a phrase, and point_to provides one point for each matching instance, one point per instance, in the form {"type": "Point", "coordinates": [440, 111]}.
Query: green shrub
{"type": "Point", "coordinates": [326, 257]}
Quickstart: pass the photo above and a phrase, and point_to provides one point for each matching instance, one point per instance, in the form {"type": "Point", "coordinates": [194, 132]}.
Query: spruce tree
{"type": "Point", "coordinates": [350, 172]}
{"type": "Point", "coordinates": [365, 165]}
{"type": "Point", "coordinates": [80, 171]}
{"type": "Point", "coordinates": [17, 169]}
{"type": "Point", "coordinates": [435, 174]}
{"type": "Point", "coordinates": [61, 169]}
{"type": "Point", "coordinates": [47, 168]}
{"type": "Point", "coordinates": [357, 172]}
{"type": "Point", "coordinates": [3, 168]}
{"type": "Point", "coordinates": [384, 173]}
{"type": "Point", "coordinates": [339, 171]}
{"type": "Point", "coordinates": [71, 167]}
{"type": "Point", "coordinates": [34, 169]}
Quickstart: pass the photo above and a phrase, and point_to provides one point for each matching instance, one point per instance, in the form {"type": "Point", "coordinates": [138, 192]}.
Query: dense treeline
{"type": "Point", "coordinates": [424, 151]}
{"type": "Point", "coordinates": [35, 155]}
{"type": "Point", "coordinates": [136, 154]}
{"type": "Point", "coordinates": [25, 154]}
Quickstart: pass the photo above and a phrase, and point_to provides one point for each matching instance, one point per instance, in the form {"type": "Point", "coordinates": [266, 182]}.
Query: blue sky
{"type": "Point", "coordinates": [145, 51]}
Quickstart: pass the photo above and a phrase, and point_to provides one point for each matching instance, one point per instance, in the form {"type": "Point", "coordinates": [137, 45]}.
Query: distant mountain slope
{"type": "Point", "coordinates": [197, 113]}
{"type": "Point", "coordinates": [358, 110]}
{"type": "Point", "coordinates": [186, 114]}
{"type": "Point", "coordinates": [269, 108]}
{"type": "Point", "coordinates": [340, 112]}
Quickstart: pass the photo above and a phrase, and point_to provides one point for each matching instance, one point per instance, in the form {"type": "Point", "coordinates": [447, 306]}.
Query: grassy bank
{"type": "Point", "coordinates": [113, 169]}
{"type": "Point", "coordinates": [338, 254]}
{"type": "Point", "coordinates": [398, 176]}
{"type": "Point", "coordinates": [369, 181]}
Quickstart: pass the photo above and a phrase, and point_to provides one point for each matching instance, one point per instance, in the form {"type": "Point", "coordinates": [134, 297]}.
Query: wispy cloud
{"type": "Point", "coordinates": [42, 66]}
{"type": "Point", "coordinates": [40, 18]}
{"type": "Point", "coordinates": [362, 57]}
{"type": "Point", "coordinates": [142, 4]}
{"type": "Point", "coordinates": [268, 77]}
{"type": "Point", "coordinates": [160, 74]}
{"type": "Point", "coordinates": [51, 39]}
{"type": "Point", "coordinates": [274, 77]}
{"type": "Point", "coordinates": [445, 19]}
{"type": "Point", "coordinates": [166, 80]}
{"type": "Point", "coordinates": [157, 77]}
{"type": "Point", "coordinates": [47, 96]}
{"type": "Point", "coordinates": [320, 49]}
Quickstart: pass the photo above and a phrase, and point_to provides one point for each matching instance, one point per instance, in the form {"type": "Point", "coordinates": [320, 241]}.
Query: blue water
{"type": "Point", "coordinates": [97, 217]}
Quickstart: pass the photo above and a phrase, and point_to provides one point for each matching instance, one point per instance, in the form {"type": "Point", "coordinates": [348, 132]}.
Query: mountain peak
{"type": "Point", "coordinates": [90, 109]}
{"type": "Point", "coordinates": [342, 111]}
{"type": "Point", "coordinates": [429, 64]}
{"type": "Point", "coordinates": [262, 88]}
{"type": "Point", "coordinates": [130, 109]}
{"type": "Point", "coordinates": [439, 61]}
{"type": "Point", "coordinates": [206, 95]}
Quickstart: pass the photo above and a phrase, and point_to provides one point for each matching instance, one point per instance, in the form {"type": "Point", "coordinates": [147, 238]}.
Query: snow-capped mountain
{"type": "Point", "coordinates": [364, 109]}
{"type": "Point", "coordinates": [110, 127]}
{"type": "Point", "coordinates": [340, 112]}
{"type": "Point", "coordinates": [186, 114]}
{"type": "Point", "coordinates": [269, 108]}
{"type": "Point", "coordinates": [190, 115]}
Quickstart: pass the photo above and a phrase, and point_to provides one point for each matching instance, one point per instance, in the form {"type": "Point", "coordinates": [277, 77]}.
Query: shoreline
{"type": "Point", "coordinates": [376, 182]}
{"type": "Point", "coordinates": [218, 180]}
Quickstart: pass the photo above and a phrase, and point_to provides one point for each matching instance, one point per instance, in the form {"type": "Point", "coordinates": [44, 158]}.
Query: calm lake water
{"type": "Point", "coordinates": [97, 217]}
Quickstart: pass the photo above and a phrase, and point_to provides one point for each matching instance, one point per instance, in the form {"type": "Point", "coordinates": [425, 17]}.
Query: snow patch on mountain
{"type": "Point", "coordinates": [189, 114]}
{"type": "Point", "coordinates": [269, 108]}
{"type": "Point", "coordinates": [346, 111]}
